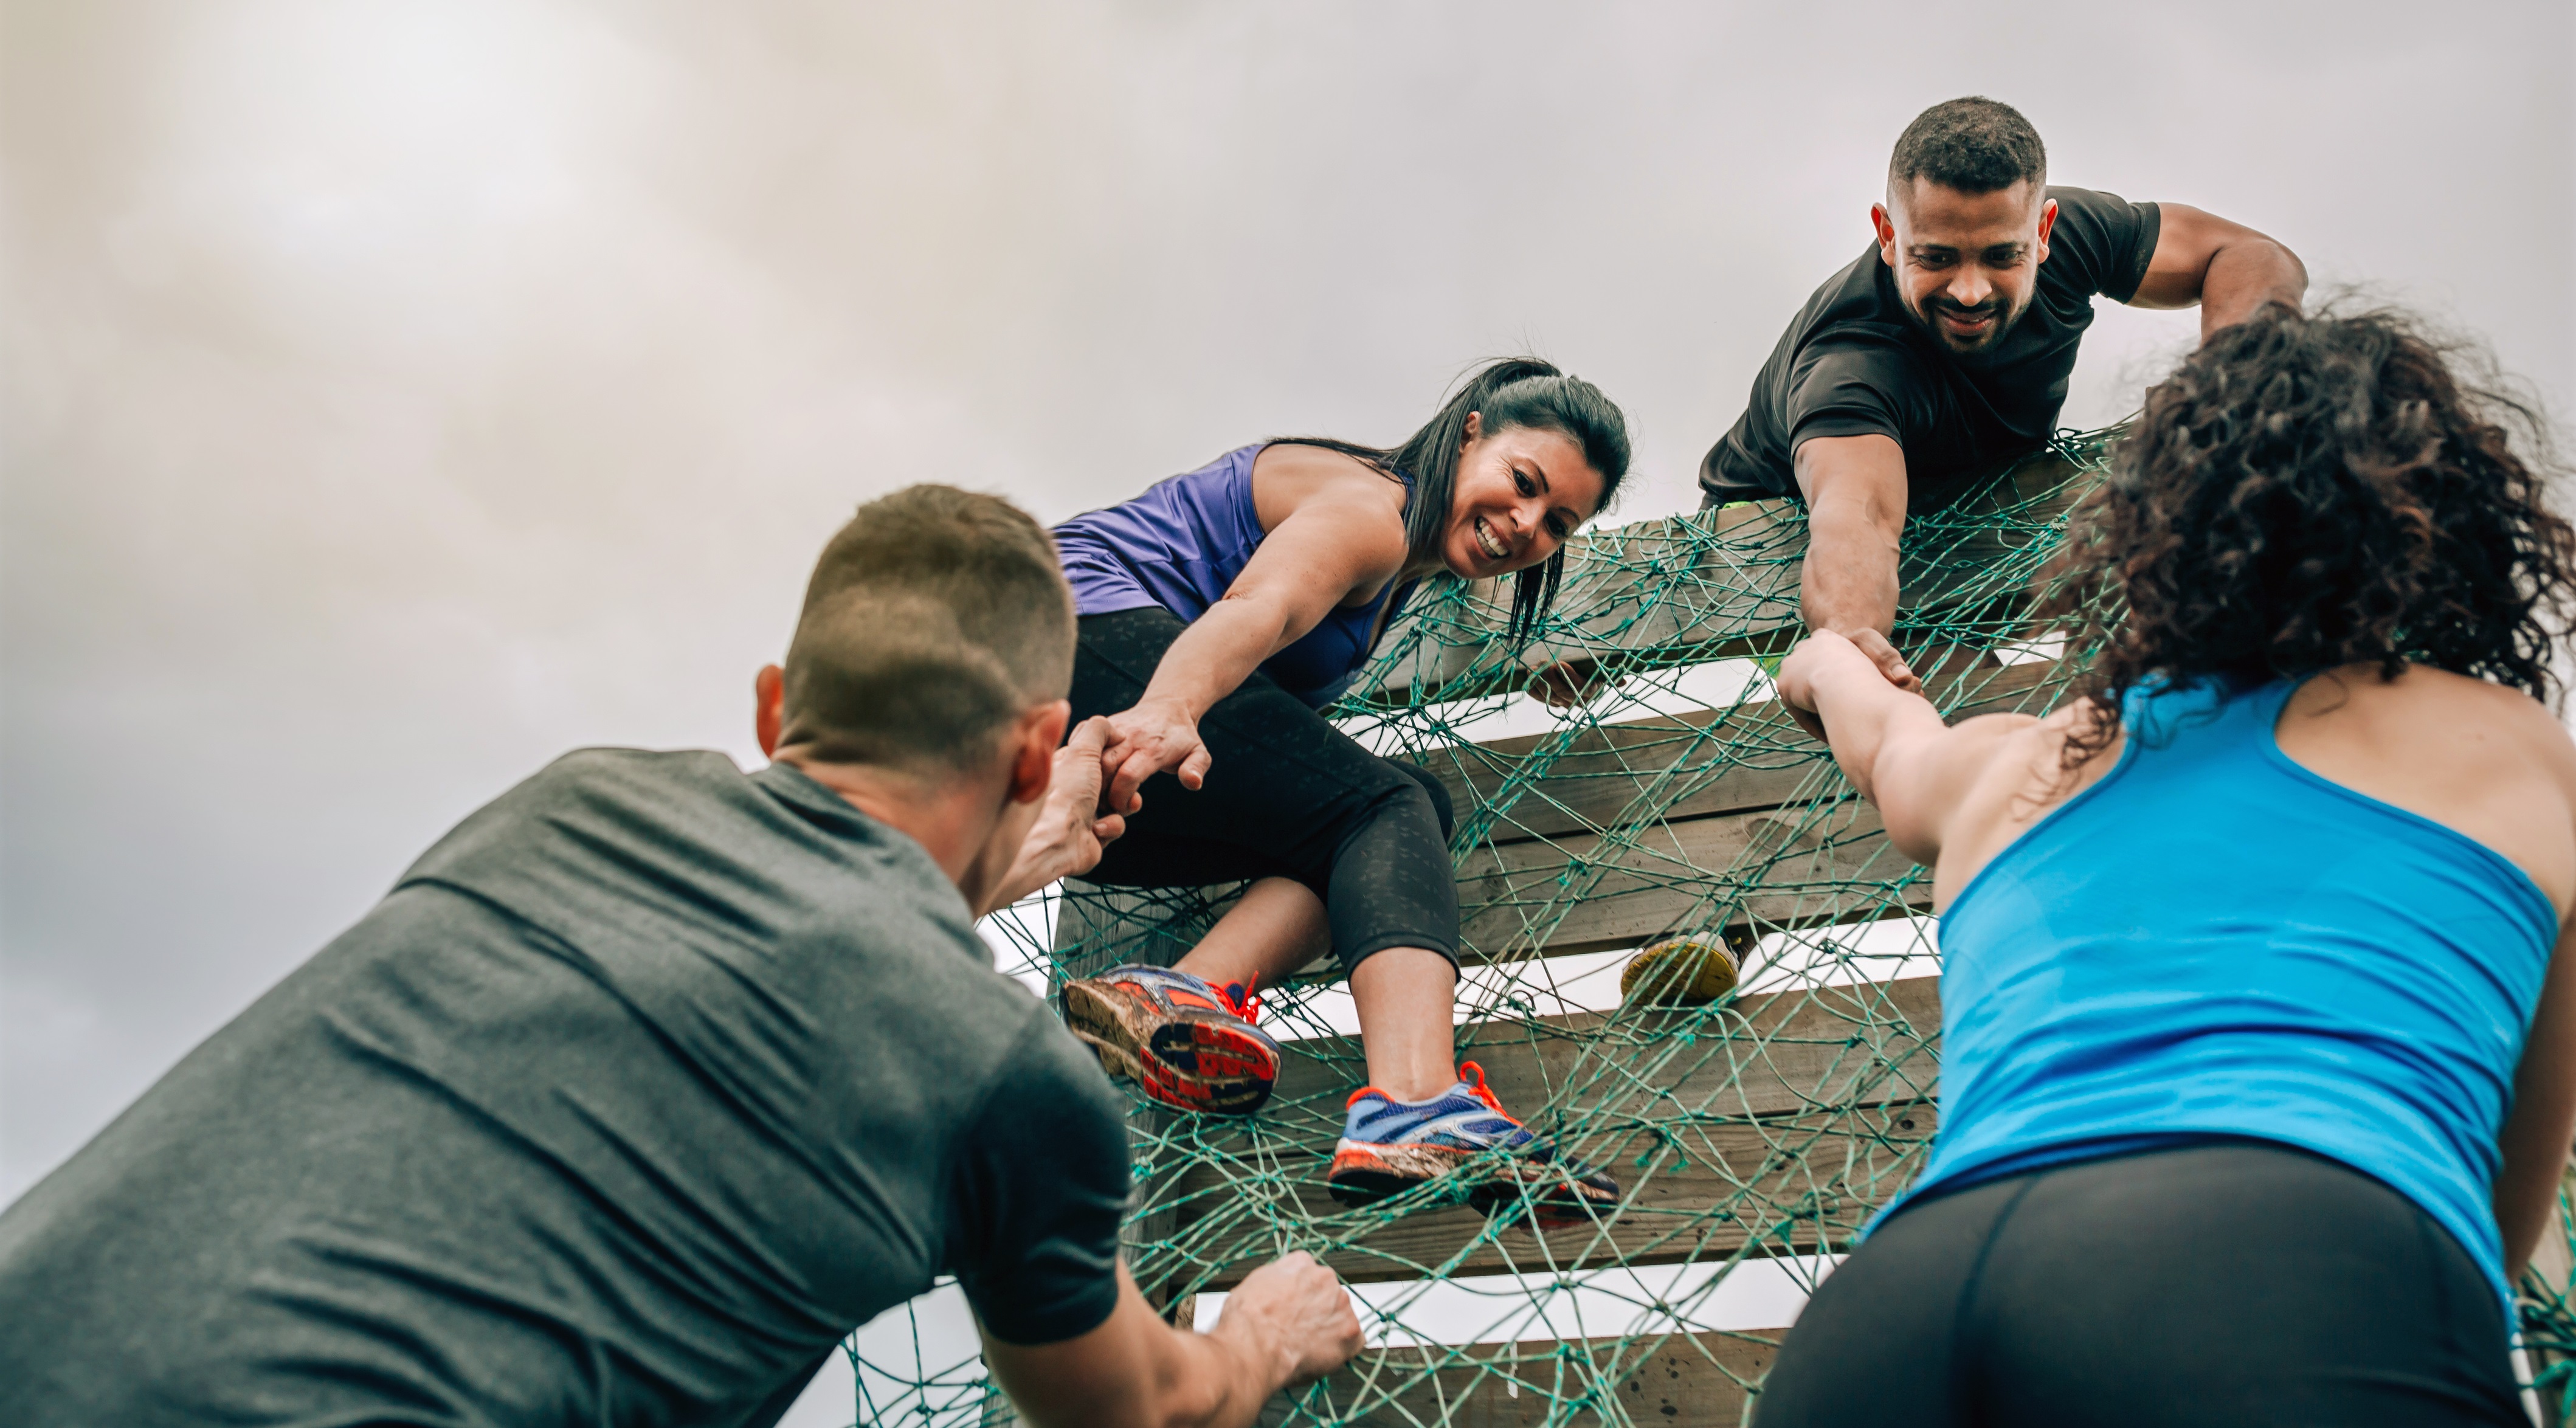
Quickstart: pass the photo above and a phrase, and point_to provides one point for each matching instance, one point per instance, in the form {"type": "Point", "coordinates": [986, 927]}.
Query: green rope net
{"type": "Point", "coordinates": [1766, 1126]}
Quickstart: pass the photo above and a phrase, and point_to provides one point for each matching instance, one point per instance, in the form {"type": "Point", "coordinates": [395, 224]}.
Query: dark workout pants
{"type": "Point", "coordinates": [1288, 795]}
{"type": "Point", "coordinates": [2236, 1283]}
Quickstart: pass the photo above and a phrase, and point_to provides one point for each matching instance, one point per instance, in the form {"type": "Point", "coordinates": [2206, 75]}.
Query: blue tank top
{"type": "Point", "coordinates": [2214, 942]}
{"type": "Point", "coordinates": [1181, 544]}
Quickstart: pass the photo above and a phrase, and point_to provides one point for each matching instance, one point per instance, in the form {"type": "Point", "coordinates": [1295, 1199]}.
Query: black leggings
{"type": "Point", "coordinates": [2240, 1282]}
{"type": "Point", "coordinates": [1288, 795]}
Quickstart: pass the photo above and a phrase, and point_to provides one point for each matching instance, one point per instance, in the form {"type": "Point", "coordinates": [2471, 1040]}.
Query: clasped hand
{"type": "Point", "coordinates": [1071, 830]}
{"type": "Point", "coordinates": [1796, 681]}
{"type": "Point", "coordinates": [1153, 737]}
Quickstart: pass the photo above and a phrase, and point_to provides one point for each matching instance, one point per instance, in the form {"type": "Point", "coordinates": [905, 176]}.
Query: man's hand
{"type": "Point", "coordinates": [1288, 1322]}
{"type": "Point", "coordinates": [1292, 1316]}
{"type": "Point", "coordinates": [1067, 837]}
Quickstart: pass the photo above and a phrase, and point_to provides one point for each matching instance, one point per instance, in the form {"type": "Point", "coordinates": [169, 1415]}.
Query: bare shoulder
{"type": "Point", "coordinates": [1287, 477]}
{"type": "Point", "coordinates": [2433, 713]}
{"type": "Point", "coordinates": [2490, 762]}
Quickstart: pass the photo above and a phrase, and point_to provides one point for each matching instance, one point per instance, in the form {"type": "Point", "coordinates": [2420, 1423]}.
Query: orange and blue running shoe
{"type": "Point", "coordinates": [1187, 1043]}
{"type": "Point", "coordinates": [1389, 1146]}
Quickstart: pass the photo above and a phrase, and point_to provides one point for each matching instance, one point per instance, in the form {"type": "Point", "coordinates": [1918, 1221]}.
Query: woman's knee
{"type": "Point", "coordinates": [1436, 791]}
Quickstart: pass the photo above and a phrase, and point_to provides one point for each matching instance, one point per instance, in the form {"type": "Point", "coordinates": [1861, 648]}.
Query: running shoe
{"type": "Point", "coordinates": [1187, 1043]}
{"type": "Point", "coordinates": [1389, 1146]}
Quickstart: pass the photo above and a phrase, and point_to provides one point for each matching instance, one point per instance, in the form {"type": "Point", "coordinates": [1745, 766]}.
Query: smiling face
{"type": "Point", "coordinates": [1519, 493]}
{"type": "Point", "coordinates": [1966, 264]}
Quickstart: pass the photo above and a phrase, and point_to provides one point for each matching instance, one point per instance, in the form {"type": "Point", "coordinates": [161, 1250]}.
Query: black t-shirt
{"type": "Point", "coordinates": [1856, 362]}
{"type": "Point", "coordinates": [641, 1089]}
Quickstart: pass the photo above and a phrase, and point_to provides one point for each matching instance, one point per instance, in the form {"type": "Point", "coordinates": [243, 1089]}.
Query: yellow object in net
{"type": "Point", "coordinates": [1685, 971]}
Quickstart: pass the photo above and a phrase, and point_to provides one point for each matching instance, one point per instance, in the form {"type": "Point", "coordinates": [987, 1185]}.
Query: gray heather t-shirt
{"type": "Point", "coordinates": [639, 1091]}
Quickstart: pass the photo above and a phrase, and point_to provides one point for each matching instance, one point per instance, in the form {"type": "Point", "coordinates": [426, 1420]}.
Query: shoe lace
{"type": "Point", "coordinates": [1243, 998]}
{"type": "Point", "coordinates": [1482, 1092]}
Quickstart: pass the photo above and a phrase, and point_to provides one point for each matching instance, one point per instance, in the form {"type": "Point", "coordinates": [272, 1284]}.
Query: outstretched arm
{"type": "Point", "coordinates": [1288, 1322]}
{"type": "Point", "coordinates": [1855, 490]}
{"type": "Point", "coordinates": [1890, 742]}
{"type": "Point", "coordinates": [1335, 542]}
{"type": "Point", "coordinates": [2227, 268]}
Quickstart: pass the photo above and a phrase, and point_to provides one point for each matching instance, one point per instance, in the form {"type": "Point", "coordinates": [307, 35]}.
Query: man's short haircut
{"type": "Point", "coordinates": [1974, 145]}
{"type": "Point", "coordinates": [934, 618]}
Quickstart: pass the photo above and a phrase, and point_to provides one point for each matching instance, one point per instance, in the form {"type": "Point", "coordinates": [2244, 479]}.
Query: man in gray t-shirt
{"type": "Point", "coordinates": [654, 1078]}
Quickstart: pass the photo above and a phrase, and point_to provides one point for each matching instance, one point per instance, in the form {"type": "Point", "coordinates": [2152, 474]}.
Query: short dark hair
{"type": "Point", "coordinates": [1974, 145]}
{"type": "Point", "coordinates": [934, 618]}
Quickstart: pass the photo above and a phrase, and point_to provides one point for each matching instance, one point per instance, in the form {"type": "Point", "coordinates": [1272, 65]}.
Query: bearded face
{"type": "Point", "coordinates": [1966, 265]}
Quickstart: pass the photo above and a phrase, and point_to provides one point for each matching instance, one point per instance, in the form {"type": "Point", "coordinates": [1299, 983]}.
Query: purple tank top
{"type": "Point", "coordinates": [1181, 544]}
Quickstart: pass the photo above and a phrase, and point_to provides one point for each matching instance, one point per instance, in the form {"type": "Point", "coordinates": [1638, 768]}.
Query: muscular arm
{"type": "Point", "coordinates": [2227, 268]}
{"type": "Point", "coordinates": [1135, 1371]}
{"type": "Point", "coordinates": [1855, 490]}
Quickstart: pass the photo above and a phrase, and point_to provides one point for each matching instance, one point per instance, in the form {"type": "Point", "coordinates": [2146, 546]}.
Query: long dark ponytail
{"type": "Point", "coordinates": [1510, 392]}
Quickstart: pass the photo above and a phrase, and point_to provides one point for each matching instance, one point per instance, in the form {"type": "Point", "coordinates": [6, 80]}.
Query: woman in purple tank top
{"type": "Point", "coordinates": [1218, 612]}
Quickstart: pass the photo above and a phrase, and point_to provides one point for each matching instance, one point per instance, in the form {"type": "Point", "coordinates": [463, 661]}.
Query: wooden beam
{"type": "Point", "coordinates": [1793, 866]}
{"type": "Point", "coordinates": [1725, 584]}
{"type": "Point", "coordinates": [1815, 1100]}
{"type": "Point", "coordinates": [1683, 1380]}
{"type": "Point", "coordinates": [1668, 768]}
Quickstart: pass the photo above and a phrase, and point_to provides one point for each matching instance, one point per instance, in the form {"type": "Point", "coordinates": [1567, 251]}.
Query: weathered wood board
{"type": "Point", "coordinates": [1812, 1099]}
{"type": "Point", "coordinates": [1686, 1381]}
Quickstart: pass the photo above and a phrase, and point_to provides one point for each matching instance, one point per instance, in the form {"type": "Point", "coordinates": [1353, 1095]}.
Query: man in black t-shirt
{"type": "Point", "coordinates": [652, 1079]}
{"type": "Point", "coordinates": [1945, 348]}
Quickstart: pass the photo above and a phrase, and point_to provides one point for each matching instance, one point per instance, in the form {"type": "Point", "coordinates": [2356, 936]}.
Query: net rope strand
{"type": "Point", "coordinates": [1770, 1124]}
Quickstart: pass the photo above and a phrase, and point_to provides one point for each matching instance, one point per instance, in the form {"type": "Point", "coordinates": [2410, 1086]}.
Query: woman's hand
{"type": "Point", "coordinates": [1796, 681]}
{"type": "Point", "coordinates": [1157, 736]}
{"type": "Point", "coordinates": [1070, 832]}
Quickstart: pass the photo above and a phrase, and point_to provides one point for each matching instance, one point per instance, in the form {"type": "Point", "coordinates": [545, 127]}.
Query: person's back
{"type": "Point", "coordinates": [2218, 937]}
{"type": "Point", "coordinates": [642, 1086]}
{"type": "Point", "coordinates": [653, 1079]}
{"type": "Point", "coordinates": [2255, 1079]}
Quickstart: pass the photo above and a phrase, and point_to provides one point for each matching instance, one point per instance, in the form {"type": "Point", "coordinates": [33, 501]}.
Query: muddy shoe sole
{"type": "Point", "coordinates": [1188, 1062]}
{"type": "Point", "coordinates": [1544, 1194]}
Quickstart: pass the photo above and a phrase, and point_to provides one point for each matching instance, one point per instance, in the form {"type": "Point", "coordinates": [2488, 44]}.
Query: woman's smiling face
{"type": "Point", "coordinates": [1519, 494]}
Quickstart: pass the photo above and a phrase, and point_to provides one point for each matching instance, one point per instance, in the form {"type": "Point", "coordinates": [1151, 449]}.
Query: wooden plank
{"type": "Point", "coordinates": [1683, 1380]}
{"type": "Point", "coordinates": [1785, 867]}
{"type": "Point", "coordinates": [1665, 769]}
{"type": "Point", "coordinates": [1723, 584]}
{"type": "Point", "coordinates": [1791, 1185]}
{"type": "Point", "coordinates": [1813, 1098]}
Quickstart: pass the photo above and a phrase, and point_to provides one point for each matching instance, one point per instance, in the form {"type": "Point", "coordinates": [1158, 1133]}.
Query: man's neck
{"type": "Point", "coordinates": [949, 818]}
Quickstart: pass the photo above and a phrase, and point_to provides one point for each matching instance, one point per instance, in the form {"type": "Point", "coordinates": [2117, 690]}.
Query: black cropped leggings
{"type": "Point", "coordinates": [2237, 1284]}
{"type": "Point", "coordinates": [1288, 795]}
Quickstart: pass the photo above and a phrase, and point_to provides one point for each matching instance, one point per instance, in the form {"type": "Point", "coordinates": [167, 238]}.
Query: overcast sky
{"type": "Point", "coordinates": [397, 395]}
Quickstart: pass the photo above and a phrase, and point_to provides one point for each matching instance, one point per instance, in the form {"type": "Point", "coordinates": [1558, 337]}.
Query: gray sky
{"type": "Point", "coordinates": [398, 395]}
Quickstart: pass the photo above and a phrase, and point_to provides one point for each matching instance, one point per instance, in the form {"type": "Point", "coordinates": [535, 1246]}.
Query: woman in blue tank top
{"type": "Point", "coordinates": [1218, 612]}
{"type": "Point", "coordinates": [2258, 1045]}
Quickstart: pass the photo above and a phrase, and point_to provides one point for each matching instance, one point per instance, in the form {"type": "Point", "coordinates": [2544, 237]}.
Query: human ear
{"type": "Point", "coordinates": [1886, 230]}
{"type": "Point", "coordinates": [768, 706]}
{"type": "Point", "coordinates": [1475, 430]}
{"type": "Point", "coordinates": [2047, 221]}
{"type": "Point", "coordinates": [1037, 736]}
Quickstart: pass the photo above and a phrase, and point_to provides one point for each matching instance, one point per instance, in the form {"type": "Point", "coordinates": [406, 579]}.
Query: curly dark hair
{"type": "Point", "coordinates": [2311, 491]}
